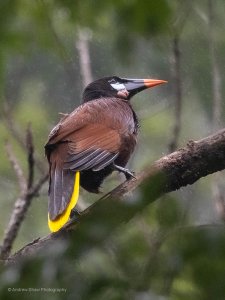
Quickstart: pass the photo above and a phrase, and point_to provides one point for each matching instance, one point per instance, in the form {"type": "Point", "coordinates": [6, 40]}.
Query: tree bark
{"type": "Point", "coordinates": [178, 169]}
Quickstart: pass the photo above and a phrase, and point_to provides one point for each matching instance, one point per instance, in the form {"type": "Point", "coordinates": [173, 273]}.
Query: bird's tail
{"type": "Point", "coordinates": [61, 219]}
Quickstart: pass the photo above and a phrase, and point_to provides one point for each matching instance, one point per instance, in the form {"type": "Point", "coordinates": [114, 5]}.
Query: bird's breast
{"type": "Point", "coordinates": [125, 121]}
{"type": "Point", "coordinates": [119, 115]}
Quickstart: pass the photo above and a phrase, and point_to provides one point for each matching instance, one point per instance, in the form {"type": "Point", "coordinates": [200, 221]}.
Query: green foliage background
{"type": "Point", "coordinates": [175, 248]}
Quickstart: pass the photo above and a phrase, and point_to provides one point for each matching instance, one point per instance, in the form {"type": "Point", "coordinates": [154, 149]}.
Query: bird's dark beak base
{"type": "Point", "coordinates": [135, 86]}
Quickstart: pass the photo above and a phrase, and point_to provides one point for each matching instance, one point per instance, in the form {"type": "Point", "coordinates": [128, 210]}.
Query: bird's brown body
{"type": "Point", "coordinates": [106, 125]}
{"type": "Point", "coordinates": [95, 139]}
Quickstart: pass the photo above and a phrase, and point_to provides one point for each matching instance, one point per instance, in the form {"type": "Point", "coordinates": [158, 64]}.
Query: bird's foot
{"type": "Point", "coordinates": [75, 213]}
{"type": "Point", "coordinates": [128, 174]}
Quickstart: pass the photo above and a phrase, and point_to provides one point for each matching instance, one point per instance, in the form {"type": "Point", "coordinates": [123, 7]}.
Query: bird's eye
{"type": "Point", "coordinates": [112, 81]}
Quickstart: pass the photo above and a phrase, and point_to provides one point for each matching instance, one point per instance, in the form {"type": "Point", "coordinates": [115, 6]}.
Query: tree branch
{"type": "Point", "coordinates": [82, 45]}
{"type": "Point", "coordinates": [178, 25]}
{"type": "Point", "coordinates": [180, 168]}
{"type": "Point", "coordinates": [27, 193]}
{"type": "Point", "coordinates": [215, 70]}
{"type": "Point", "coordinates": [178, 93]}
{"type": "Point", "coordinates": [20, 208]}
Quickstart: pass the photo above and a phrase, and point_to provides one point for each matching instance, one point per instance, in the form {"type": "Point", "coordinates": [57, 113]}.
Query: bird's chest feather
{"type": "Point", "coordinates": [119, 115]}
{"type": "Point", "coordinates": [127, 124]}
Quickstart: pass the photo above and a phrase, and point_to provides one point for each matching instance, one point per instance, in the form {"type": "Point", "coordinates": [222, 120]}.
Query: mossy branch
{"type": "Point", "coordinates": [178, 169]}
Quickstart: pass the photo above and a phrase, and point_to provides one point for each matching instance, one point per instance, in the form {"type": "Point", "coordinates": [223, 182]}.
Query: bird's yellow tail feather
{"type": "Point", "coordinates": [58, 223]}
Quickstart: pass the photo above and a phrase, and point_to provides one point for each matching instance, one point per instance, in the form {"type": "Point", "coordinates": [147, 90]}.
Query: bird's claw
{"type": "Point", "coordinates": [75, 213]}
{"type": "Point", "coordinates": [128, 174]}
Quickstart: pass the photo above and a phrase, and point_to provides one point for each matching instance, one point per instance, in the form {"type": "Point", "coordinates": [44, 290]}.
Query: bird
{"type": "Point", "coordinates": [91, 142]}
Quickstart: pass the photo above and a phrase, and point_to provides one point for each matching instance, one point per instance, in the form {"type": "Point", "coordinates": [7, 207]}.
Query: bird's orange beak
{"type": "Point", "coordinates": [153, 82]}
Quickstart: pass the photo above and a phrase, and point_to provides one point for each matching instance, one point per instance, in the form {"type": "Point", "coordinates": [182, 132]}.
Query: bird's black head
{"type": "Point", "coordinates": [117, 87]}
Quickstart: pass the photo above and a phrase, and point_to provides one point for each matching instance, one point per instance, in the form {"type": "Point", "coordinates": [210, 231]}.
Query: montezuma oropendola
{"type": "Point", "coordinates": [90, 143]}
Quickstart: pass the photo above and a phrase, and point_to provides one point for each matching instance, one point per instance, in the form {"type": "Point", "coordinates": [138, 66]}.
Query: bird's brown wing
{"type": "Point", "coordinates": [93, 147]}
{"type": "Point", "coordinates": [85, 114]}
{"type": "Point", "coordinates": [100, 111]}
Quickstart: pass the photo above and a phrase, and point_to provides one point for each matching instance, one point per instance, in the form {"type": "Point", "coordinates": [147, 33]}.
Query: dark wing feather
{"type": "Point", "coordinates": [94, 159]}
{"type": "Point", "coordinates": [94, 146]}
{"type": "Point", "coordinates": [60, 190]}
{"type": "Point", "coordinates": [108, 160]}
{"type": "Point", "coordinates": [77, 160]}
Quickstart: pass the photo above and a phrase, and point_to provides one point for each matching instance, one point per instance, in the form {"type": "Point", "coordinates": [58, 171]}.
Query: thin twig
{"type": "Point", "coordinates": [10, 124]}
{"type": "Point", "coordinates": [12, 127]}
{"type": "Point", "coordinates": [34, 191]}
{"type": "Point", "coordinates": [60, 47]}
{"type": "Point", "coordinates": [178, 25]}
{"type": "Point", "coordinates": [30, 157]}
{"type": "Point", "coordinates": [215, 72]}
{"type": "Point", "coordinates": [82, 45]}
{"type": "Point", "coordinates": [17, 168]}
{"type": "Point", "coordinates": [178, 94]}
